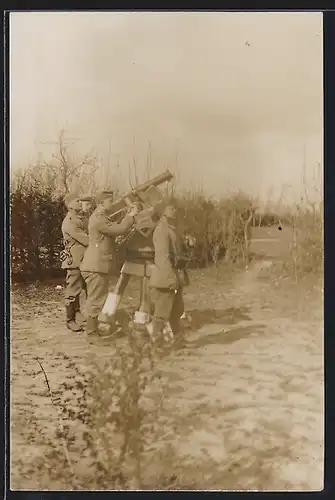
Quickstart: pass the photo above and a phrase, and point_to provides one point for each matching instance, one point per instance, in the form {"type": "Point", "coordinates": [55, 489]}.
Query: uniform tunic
{"type": "Point", "coordinates": [165, 280]}
{"type": "Point", "coordinates": [97, 262]}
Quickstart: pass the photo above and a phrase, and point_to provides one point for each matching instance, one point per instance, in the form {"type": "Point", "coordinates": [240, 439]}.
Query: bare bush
{"type": "Point", "coordinates": [221, 228]}
{"type": "Point", "coordinates": [107, 422]}
{"type": "Point", "coordinates": [64, 172]}
{"type": "Point", "coordinates": [307, 249]}
{"type": "Point", "coordinates": [37, 208]}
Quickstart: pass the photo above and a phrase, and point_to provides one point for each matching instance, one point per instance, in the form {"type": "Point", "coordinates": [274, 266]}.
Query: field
{"type": "Point", "coordinates": [243, 407]}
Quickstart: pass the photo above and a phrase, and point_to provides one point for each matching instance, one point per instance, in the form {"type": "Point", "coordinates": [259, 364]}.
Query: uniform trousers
{"type": "Point", "coordinates": [75, 283]}
{"type": "Point", "coordinates": [97, 291]}
{"type": "Point", "coordinates": [168, 306]}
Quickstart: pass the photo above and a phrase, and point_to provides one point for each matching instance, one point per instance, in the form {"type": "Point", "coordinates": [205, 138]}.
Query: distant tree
{"type": "Point", "coordinates": [64, 172]}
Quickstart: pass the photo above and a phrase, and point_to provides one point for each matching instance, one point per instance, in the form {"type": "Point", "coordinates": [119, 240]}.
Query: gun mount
{"type": "Point", "coordinates": [136, 246]}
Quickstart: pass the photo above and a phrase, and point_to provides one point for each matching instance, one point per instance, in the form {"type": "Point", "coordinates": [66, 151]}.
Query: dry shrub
{"type": "Point", "coordinates": [221, 227]}
{"type": "Point", "coordinates": [106, 422]}
{"type": "Point", "coordinates": [307, 246]}
{"type": "Point", "coordinates": [309, 250]}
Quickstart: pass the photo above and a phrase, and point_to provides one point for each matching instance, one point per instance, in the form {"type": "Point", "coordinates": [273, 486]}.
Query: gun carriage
{"type": "Point", "coordinates": [137, 247]}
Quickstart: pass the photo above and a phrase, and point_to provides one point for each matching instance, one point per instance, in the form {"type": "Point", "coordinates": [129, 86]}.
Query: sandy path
{"type": "Point", "coordinates": [245, 398]}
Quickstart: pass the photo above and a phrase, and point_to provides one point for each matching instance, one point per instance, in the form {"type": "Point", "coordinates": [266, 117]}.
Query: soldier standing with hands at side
{"type": "Point", "coordinates": [75, 238]}
{"type": "Point", "coordinates": [97, 262]}
{"type": "Point", "coordinates": [168, 275]}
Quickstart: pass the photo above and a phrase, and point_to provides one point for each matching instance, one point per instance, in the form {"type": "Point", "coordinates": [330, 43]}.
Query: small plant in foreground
{"type": "Point", "coordinates": [106, 419]}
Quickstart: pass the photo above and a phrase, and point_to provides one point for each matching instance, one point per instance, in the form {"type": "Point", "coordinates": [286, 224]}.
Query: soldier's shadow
{"type": "Point", "coordinates": [227, 337]}
{"type": "Point", "coordinates": [198, 319]}
{"type": "Point", "coordinates": [229, 316]}
{"type": "Point", "coordinates": [224, 317]}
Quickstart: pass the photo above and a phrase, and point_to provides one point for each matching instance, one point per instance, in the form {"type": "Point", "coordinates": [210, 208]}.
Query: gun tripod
{"type": "Point", "coordinates": [129, 269]}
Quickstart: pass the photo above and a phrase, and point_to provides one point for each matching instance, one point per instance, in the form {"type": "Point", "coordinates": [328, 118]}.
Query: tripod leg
{"type": "Point", "coordinates": [145, 298]}
{"type": "Point", "coordinates": [143, 313]}
{"type": "Point", "coordinates": [121, 285]}
{"type": "Point", "coordinates": [113, 299]}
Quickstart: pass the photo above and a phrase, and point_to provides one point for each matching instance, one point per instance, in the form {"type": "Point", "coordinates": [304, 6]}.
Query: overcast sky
{"type": "Point", "coordinates": [238, 95]}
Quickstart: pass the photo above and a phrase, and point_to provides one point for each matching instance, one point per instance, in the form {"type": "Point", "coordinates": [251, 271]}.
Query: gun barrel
{"type": "Point", "coordinates": [156, 181]}
{"type": "Point", "coordinates": [121, 204]}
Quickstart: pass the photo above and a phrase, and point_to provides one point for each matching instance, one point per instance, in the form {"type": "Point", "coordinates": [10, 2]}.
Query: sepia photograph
{"type": "Point", "coordinates": [178, 156]}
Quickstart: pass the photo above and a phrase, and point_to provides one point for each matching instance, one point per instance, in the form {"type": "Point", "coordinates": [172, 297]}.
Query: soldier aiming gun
{"type": "Point", "coordinates": [97, 262]}
{"type": "Point", "coordinates": [139, 253]}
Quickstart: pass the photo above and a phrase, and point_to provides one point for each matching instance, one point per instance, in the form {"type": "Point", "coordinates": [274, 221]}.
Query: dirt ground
{"type": "Point", "coordinates": [245, 404]}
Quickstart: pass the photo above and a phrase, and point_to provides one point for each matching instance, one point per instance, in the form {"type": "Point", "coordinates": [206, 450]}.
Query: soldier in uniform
{"type": "Point", "coordinates": [167, 277]}
{"type": "Point", "coordinates": [97, 262]}
{"type": "Point", "coordinates": [75, 238]}
{"type": "Point", "coordinates": [87, 204]}
{"type": "Point", "coordinates": [87, 208]}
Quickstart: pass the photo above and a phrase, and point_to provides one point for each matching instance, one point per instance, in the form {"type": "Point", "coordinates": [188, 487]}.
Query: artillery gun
{"type": "Point", "coordinates": [137, 246]}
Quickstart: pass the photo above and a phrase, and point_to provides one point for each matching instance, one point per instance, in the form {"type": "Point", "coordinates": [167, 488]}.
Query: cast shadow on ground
{"type": "Point", "coordinates": [229, 316]}
{"type": "Point", "coordinates": [200, 318]}
{"type": "Point", "coordinates": [221, 317]}
{"type": "Point", "coordinates": [226, 337]}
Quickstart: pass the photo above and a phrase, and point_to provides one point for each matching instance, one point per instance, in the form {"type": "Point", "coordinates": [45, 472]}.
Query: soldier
{"type": "Point", "coordinates": [75, 240]}
{"type": "Point", "coordinates": [87, 205]}
{"type": "Point", "coordinates": [167, 278]}
{"type": "Point", "coordinates": [87, 208]}
{"type": "Point", "coordinates": [97, 262]}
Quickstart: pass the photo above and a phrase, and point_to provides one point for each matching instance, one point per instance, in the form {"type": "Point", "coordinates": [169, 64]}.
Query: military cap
{"type": "Point", "coordinates": [161, 206]}
{"type": "Point", "coordinates": [86, 197]}
{"type": "Point", "coordinates": [103, 195]}
{"type": "Point", "coordinates": [68, 198]}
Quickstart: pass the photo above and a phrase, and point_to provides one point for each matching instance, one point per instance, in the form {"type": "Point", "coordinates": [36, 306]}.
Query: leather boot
{"type": "Point", "coordinates": [94, 335]}
{"type": "Point", "coordinates": [156, 329]}
{"type": "Point", "coordinates": [179, 339]}
{"type": "Point", "coordinates": [80, 318]}
{"type": "Point", "coordinates": [178, 327]}
{"type": "Point", "coordinates": [70, 319]}
{"type": "Point", "coordinates": [92, 326]}
{"type": "Point", "coordinates": [167, 332]}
